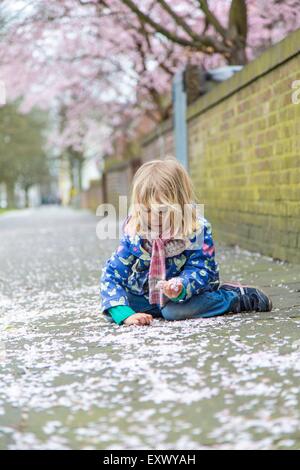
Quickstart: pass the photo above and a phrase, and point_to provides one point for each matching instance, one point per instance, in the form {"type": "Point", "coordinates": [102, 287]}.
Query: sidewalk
{"type": "Point", "coordinates": [281, 280]}
{"type": "Point", "coordinates": [71, 380]}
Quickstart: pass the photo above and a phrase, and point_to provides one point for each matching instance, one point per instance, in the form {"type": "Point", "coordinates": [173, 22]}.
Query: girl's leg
{"type": "Point", "coordinates": [139, 303]}
{"type": "Point", "coordinates": [207, 304]}
{"type": "Point", "coordinates": [251, 298]}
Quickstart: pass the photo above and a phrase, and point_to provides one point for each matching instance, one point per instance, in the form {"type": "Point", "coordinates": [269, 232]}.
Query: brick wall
{"type": "Point", "coordinates": [92, 197]}
{"type": "Point", "coordinates": [116, 181]}
{"type": "Point", "coordinates": [118, 184]}
{"type": "Point", "coordinates": [244, 154]}
{"type": "Point", "coordinates": [159, 143]}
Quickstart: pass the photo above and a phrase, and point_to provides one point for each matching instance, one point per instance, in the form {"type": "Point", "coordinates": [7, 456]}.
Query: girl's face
{"type": "Point", "coordinates": [155, 219]}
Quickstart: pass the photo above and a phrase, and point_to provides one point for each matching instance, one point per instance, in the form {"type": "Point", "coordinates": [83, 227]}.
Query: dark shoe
{"type": "Point", "coordinates": [250, 298]}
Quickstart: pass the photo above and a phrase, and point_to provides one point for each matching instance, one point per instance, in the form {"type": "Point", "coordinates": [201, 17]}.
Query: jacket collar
{"type": "Point", "coordinates": [136, 248]}
{"type": "Point", "coordinates": [135, 241]}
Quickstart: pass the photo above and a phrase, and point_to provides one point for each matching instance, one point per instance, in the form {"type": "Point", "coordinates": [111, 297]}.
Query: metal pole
{"type": "Point", "coordinates": [179, 119]}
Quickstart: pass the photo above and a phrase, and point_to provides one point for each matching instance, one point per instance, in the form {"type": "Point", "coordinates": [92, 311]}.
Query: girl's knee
{"type": "Point", "coordinates": [206, 304]}
{"type": "Point", "coordinates": [172, 312]}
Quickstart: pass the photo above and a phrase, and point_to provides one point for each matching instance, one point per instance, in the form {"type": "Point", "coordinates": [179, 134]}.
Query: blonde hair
{"type": "Point", "coordinates": [164, 182]}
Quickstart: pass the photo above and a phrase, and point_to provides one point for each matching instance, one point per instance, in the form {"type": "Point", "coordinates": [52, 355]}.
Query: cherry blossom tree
{"type": "Point", "coordinates": [105, 63]}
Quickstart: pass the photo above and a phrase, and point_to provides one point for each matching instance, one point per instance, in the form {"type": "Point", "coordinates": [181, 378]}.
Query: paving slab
{"type": "Point", "coordinates": [70, 380]}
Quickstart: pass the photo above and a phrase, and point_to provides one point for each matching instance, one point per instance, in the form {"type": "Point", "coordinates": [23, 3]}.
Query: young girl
{"type": "Point", "coordinates": [165, 266]}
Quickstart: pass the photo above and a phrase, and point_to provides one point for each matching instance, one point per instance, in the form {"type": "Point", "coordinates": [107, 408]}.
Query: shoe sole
{"type": "Point", "coordinates": [270, 303]}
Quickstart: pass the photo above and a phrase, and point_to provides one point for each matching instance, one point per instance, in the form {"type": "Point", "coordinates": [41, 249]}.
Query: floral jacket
{"type": "Point", "coordinates": [128, 268]}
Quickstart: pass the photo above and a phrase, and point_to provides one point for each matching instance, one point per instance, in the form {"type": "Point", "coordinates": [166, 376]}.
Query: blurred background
{"type": "Point", "coordinates": [84, 81]}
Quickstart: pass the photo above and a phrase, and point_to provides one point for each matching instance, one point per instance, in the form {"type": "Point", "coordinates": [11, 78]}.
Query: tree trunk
{"type": "Point", "coordinates": [237, 32]}
{"type": "Point", "coordinates": [10, 194]}
{"type": "Point", "coordinates": [237, 56]}
{"type": "Point", "coordinates": [71, 176]}
{"type": "Point", "coordinates": [79, 168]}
{"type": "Point", "coordinates": [26, 197]}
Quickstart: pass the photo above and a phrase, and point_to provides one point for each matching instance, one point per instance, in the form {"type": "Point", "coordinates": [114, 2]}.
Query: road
{"type": "Point", "coordinates": [70, 380]}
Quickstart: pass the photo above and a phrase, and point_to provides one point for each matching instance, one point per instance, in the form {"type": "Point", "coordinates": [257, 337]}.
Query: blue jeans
{"type": "Point", "coordinates": [204, 305]}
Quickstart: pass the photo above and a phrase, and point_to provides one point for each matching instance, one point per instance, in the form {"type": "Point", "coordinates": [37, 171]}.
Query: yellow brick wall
{"type": "Point", "coordinates": [244, 157]}
{"type": "Point", "coordinates": [160, 145]}
{"type": "Point", "coordinates": [244, 154]}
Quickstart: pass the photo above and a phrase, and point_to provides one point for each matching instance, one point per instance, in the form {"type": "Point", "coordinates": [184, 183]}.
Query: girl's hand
{"type": "Point", "coordinates": [138, 319]}
{"type": "Point", "coordinates": [172, 288]}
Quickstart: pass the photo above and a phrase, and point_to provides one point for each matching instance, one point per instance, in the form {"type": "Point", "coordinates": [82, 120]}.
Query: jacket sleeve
{"type": "Point", "coordinates": [114, 275]}
{"type": "Point", "coordinates": [180, 296]}
{"type": "Point", "coordinates": [200, 269]}
{"type": "Point", "coordinates": [120, 313]}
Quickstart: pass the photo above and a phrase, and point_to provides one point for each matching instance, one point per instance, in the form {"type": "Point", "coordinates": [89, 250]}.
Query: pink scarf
{"type": "Point", "coordinates": [159, 249]}
{"type": "Point", "coordinates": [157, 272]}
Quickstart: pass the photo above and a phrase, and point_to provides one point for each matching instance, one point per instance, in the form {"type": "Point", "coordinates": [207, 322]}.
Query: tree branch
{"type": "Point", "coordinates": [203, 43]}
{"type": "Point", "coordinates": [180, 21]}
{"type": "Point", "coordinates": [211, 18]}
{"type": "Point", "coordinates": [238, 24]}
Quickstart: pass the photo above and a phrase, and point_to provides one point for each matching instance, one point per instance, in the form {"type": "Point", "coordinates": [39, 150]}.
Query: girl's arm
{"type": "Point", "coordinates": [114, 276]}
{"type": "Point", "coordinates": [180, 296]}
{"type": "Point", "coordinates": [200, 269]}
{"type": "Point", "coordinates": [120, 313]}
